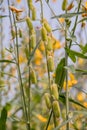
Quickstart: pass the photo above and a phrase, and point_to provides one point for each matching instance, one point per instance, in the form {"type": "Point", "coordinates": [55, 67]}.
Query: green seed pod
{"type": "Point", "coordinates": [30, 4]}
{"type": "Point", "coordinates": [20, 33]}
{"type": "Point", "coordinates": [29, 23]}
{"type": "Point", "coordinates": [33, 77]}
{"type": "Point", "coordinates": [13, 34]}
{"type": "Point", "coordinates": [33, 13]}
{"type": "Point", "coordinates": [50, 63]}
{"type": "Point", "coordinates": [44, 34]}
{"type": "Point", "coordinates": [47, 26]}
{"type": "Point", "coordinates": [49, 45]}
{"type": "Point", "coordinates": [64, 4]}
{"type": "Point", "coordinates": [54, 91]}
{"type": "Point", "coordinates": [47, 100]}
{"type": "Point", "coordinates": [56, 109]}
{"type": "Point", "coordinates": [32, 41]}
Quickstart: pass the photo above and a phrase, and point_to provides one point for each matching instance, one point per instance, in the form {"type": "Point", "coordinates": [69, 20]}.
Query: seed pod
{"type": "Point", "coordinates": [29, 23]}
{"type": "Point", "coordinates": [47, 26]}
{"type": "Point", "coordinates": [32, 41]}
{"type": "Point", "coordinates": [70, 6]}
{"type": "Point", "coordinates": [64, 4]}
{"type": "Point", "coordinates": [33, 77]}
{"type": "Point", "coordinates": [44, 34]}
{"type": "Point", "coordinates": [49, 45]}
{"type": "Point", "coordinates": [47, 100]}
{"type": "Point", "coordinates": [20, 33]}
{"type": "Point", "coordinates": [13, 34]}
{"type": "Point", "coordinates": [50, 63]}
{"type": "Point", "coordinates": [30, 4]}
{"type": "Point", "coordinates": [56, 109]}
{"type": "Point", "coordinates": [33, 13]}
{"type": "Point", "coordinates": [54, 91]}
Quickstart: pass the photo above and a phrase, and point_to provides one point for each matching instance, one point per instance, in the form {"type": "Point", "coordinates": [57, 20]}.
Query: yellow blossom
{"type": "Point", "coordinates": [57, 45]}
{"type": "Point", "coordinates": [37, 61]}
{"type": "Point", "coordinates": [81, 96]}
{"type": "Point", "coordinates": [86, 4]}
{"type": "Point", "coordinates": [22, 59]}
{"type": "Point", "coordinates": [85, 104]}
{"type": "Point", "coordinates": [50, 127]}
{"type": "Point", "coordinates": [38, 54]}
{"type": "Point", "coordinates": [61, 20]}
{"type": "Point", "coordinates": [41, 47]}
{"type": "Point", "coordinates": [71, 76]}
{"type": "Point", "coordinates": [18, 1]}
{"type": "Point", "coordinates": [80, 61]}
{"type": "Point", "coordinates": [41, 118]}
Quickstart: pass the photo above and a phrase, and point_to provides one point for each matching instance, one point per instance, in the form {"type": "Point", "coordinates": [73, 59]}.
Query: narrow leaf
{"type": "Point", "coordinates": [7, 61]}
{"type": "Point", "coordinates": [68, 15]}
{"type": "Point", "coordinates": [60, 73]}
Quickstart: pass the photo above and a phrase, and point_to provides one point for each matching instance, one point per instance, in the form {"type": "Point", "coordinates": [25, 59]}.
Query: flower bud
{"type": "Point", "coordinates": [47, 100]}
{"type": "Point", "coordinates": [20, 33]}
{"type": "Point", "coordinates": [32, 41]}
{"type": "Point", "coordinates": [56, 108]}
{"type": "Point", "coordinates": [54, 91]}
{"type": "Point", "coordinates": [13, 34]}
{"type": "Point", "coordinates": [47, 26]}
{"type": "Point", "coordinates": [29, 23]}
{"type": "Point", "coordinates": [49, 45]}
{"type": "Point", "coordinates": [33, 13]}
{"type": "Point", "coordinates": [50, 63]}
{"type": "Point", "coordinates": [64, 4]}
{"type": "Point", "coordinates": [33, 77]}
{"type": "Point", "coordinates": [44, 34]}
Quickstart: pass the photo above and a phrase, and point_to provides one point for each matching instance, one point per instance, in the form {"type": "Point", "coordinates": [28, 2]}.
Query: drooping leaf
{"type": "Point", "coordinates": [3, 119]}
{"type": "Point", "coordinates": [7, 61]}
{"type": "Point", "coordinates": [72, 54]}
{"type": "Point", "coordinates": [62, 98]}
{"type": "Point", "coordinates": [60, 73]}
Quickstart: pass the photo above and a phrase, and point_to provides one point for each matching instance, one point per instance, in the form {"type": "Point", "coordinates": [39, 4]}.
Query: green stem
{"type": "Point", "coordinates": [66, 78]}
{"type": "Point", "coordinates": [74, 28]}
{"type": "Point", "coordinates": [20, 78]}
{"type": "Point", "coordinates": [49, 119]}
{"type": "Point", "coordinates": [29, 82]}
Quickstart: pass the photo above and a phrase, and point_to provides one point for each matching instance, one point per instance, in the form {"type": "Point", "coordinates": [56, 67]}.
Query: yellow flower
{"type": "Point", "coordinates": [50, 127]}
{"type": "Point", "coordinates": [37, 61]}
{"type": "Point", "coordinates": [61, 20]}
{"type": "Point", "coordinates": [85, 104]}
{"type": "Point", "coordinates": [80, 61]}
{"type": "Point", "coordinates": [41, 47]}
{"type": "Point", "coordinates": [57, 45]}
{"type": "Point", "coordinates": [22, 59]}
{"type": "Point", "coordinates": [74, 81]}
{"type": "Point", "coordinates": [71, 76]}
{"type": "Point", "coordinates": [81, 96]}
{"type": "Point", "coordinates": [41, 118]}
{"type": "Point", "coordinates": [86, 4]}
{"type": "Point", "coordinates": [38, 54]}
{"type": "Point", "coordinates": [18, 1]}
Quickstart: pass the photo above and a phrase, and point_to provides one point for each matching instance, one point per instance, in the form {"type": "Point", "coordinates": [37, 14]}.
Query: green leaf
{"type": "Point", "coordinates": [84, 19]}
{"type": "Point", "coordinates": [68, 15]}
{"type": "Point", "coordinates": [7, 61]}
{"type": "Point", "coordinates": [60, 73]}
{"type": "Point", "coordinates": [3, 119]}
{"type": "Point", "coordinates": [62, 98]}
{"type": "Point", "coordinates": [3, 16]}
{"type": "Point", "coordinates": [84, 72]}
{"type": "Point", "coordinates": [72, 54]}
